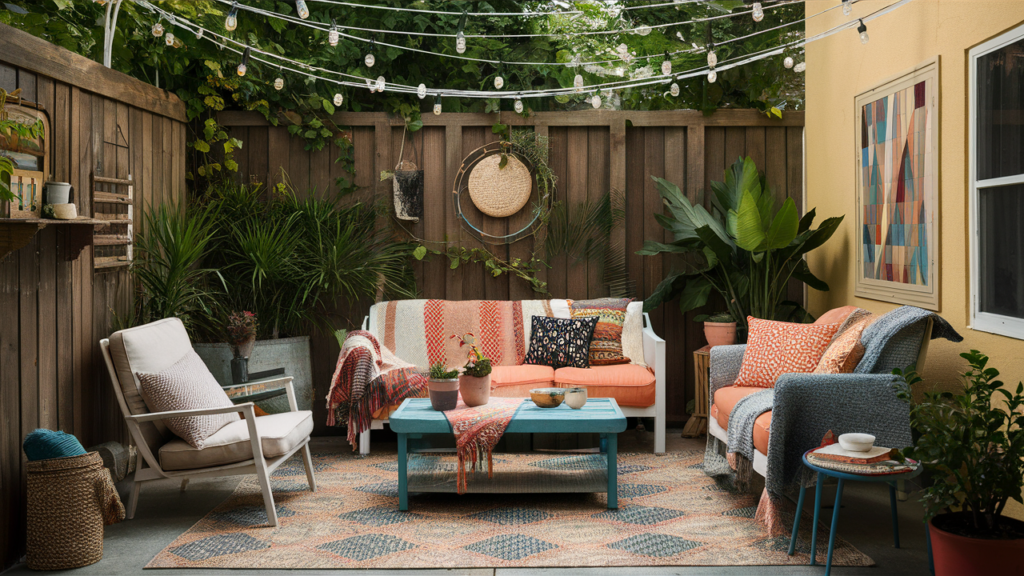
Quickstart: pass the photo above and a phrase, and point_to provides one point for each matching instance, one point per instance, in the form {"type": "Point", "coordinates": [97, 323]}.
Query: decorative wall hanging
{"type": "Point", "coordinates": [497, 193]}
{"type": "Point", "coordinates": [897, 189]}
{"type": "Point", "coordinates": [407, 183]}
{"type": "Point", "coordinates": [115, 206]}
{"type": "Point", "coordinates": [30, 158]}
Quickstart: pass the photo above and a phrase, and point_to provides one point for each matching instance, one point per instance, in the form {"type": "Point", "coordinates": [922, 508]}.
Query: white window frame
{"type": "Point", "coordinates": [985, 321]}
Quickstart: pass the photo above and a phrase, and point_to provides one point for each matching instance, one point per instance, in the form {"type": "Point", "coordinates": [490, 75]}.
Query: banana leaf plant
{"type": "Point", "coordinates": [743, 248]}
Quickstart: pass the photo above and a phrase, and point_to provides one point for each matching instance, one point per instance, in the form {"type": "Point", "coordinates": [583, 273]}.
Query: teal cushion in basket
{"type": "Point", "coordinates": [45, 444]}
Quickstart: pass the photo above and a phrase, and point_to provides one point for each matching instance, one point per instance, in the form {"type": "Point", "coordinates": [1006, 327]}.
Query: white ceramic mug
{"type": "Point", "coordinates": [576, 397]}
{"type": "Point", "coordinates": [58, 192]}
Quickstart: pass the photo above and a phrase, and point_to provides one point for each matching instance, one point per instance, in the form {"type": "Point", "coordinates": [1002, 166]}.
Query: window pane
{"type": "Point", "coordinates": [1001, 274]}
{"type": "Point", "coordinates": [1001, 112]}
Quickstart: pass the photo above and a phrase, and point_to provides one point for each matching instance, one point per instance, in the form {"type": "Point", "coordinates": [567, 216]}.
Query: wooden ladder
{"type": "Point", "coordinates": [103, 236]}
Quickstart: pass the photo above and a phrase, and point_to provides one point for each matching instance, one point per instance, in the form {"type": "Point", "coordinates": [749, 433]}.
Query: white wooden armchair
{"type": "Point", "coordinates": [248, 446]}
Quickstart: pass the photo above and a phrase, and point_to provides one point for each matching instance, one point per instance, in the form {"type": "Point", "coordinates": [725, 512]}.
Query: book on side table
{"type": "Point", "coordinates": [878, 460]}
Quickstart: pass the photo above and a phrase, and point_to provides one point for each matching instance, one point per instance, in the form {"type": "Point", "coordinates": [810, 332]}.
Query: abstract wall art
{"type": "Point", "coordinates": [897, 189]}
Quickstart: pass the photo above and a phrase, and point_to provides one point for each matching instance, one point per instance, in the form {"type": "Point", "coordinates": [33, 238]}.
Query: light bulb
{"type": "Point", "coordinates": [800, 67]}
{"type": "Point", "coordinates": [863, 33]}
{"type": "Point", "coordinates": [169, 38]}
{"type": "Point", "coordinates": [674, 89]}
{"type": "Point", "coordinates": [369, 60]}
{"type": "Point", "coordinates": [242, 66]}
{"type": "Point", "coordinates": [518, 106]}
{"type": "Point", "coordinates": [101, 2]}
{"type": "Point", "coordinates": [460, 43]}
{"type": "Point", "coordinates": [596, 101]}
{"type": "Point", "coordinates": [712, 76]}
{"type": "Point", "coordinates": [241, 69]}
{"type": "Point", "coordinates": [231, 22]}
{"type": "Point", "coordinates": [178, 43]}
{"type": "Point", "coordinates": [300, 7]}
{"type": "Point", "coordinates": [332, 37]}
{"type": "Point", "coordinates": [757, 13]}
{"type": "Point", "coordinates": [847, 7]}
{"type": "Point", "coordinates": [421, 91]}
{"type": "Point", "coordinates": [788, 62]}
{"type": "Point", "coordinates": [371, 85]}
{"type": "Point", "coordinates": [437, 106]}
{"type": "Point", "coordinates": [380, 83]}
{"type": "Point", "coordinates": [199, 34]}
{"type": "Point", "coordinates": [498, 82]}
{"type": "Point", "coordinates": [157, 29]}
{"type": "Point", "coordinates": [577, 82]}
{"type": "Point", "coordinates": [338, 99]}
{"type": "Point", "coordinates": [278, 83]}
{"type": "Point", "coordinates": [666, 67]}
{"type": "Point", "coordinates": [712, 58]}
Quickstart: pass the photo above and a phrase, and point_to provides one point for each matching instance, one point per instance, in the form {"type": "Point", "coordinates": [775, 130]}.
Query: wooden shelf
{"type": "Point", "coordinates": [15, 233]}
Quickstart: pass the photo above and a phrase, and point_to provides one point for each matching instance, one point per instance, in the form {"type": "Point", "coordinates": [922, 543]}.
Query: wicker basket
{"type": "Point", "coordinates": [69, 501]}
{"type": "Point", "coordinates": [500, 192]}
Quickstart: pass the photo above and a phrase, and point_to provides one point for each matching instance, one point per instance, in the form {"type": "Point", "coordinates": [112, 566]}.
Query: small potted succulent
{"type": "Point", "coordinates": [972, 445]}
{"type": "Point", "coordinates": [443, 387]}
{"type": "Point", "coordinates": [720, 329]}
{"type": "Point", "coordinates": [241, 335]}
{"type": "Point", "coordinates": [475, 381]}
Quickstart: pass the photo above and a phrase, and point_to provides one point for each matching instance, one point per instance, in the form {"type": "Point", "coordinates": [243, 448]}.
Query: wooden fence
{"type": "Point", "coordinates": [591, 152]}
{"type": "Point", "coordinates": [53, 312]}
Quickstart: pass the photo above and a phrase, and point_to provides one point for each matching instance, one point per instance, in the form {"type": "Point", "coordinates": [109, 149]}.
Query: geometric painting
{"type": "Point", "coordinates": [897, 189]}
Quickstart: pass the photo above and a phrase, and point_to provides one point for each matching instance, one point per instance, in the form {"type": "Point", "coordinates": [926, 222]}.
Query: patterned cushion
{"type": "Point", "coordinates": [776, 348]}
{"type": "Point", "coordinates": [845, 351]}
{"type": "Point", "coordinates": [187, 385]}
{"type": "Point", "coordinates": [606, 344]}
{"type": "Point", "coordinates": [559, 342]}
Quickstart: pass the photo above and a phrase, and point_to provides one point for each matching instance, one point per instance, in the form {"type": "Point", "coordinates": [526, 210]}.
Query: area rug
{"type": "Point", "coordinates": [670, 513]}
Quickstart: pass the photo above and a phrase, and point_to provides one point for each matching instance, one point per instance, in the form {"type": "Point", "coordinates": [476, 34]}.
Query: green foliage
{"type": "Point", "coordinates": [438, 371]}
{"type": "Point", "coordinates": [479, 368]}
{"type": "Point", "coordinates": [719, 317]}
{"type": "Point", "coordinates": [742, 248]}
{"type": "Point", "coordinates": [971, 442]}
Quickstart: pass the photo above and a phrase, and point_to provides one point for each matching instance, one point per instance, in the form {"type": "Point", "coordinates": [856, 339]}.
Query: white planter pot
{"type": "Point", "coordinates": [292, 354]}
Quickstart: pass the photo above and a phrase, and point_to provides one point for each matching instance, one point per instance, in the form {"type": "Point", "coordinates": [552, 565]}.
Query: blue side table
{"type": "Point", "coordinates": [889, 479]}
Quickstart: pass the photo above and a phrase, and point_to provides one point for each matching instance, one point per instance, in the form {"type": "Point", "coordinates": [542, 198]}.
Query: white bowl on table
{"type": "Point", "coordinates": [855, 442]}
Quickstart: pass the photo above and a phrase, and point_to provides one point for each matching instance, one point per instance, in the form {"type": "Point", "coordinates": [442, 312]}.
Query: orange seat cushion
{"type": "Point", "coordinates": [762, 426]}
{"type": "Point", "coordinates": [534, 375]}
{"type": "Point", "coordinates": [629, 384]}
{"type": "Point", "coordinates": [726, 399]}
{"type": "Point", "coordinates": [777, 348]}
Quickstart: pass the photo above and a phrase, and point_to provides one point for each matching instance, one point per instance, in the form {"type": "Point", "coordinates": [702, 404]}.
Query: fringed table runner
{"type": "Point", "coordinates": [477, 431]}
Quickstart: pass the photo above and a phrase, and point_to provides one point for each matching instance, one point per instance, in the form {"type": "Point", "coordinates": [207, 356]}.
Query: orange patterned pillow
{"type": "Point", "coordinates": [776, 348]}
{"type": "Point", "coordinates": [846, 351]}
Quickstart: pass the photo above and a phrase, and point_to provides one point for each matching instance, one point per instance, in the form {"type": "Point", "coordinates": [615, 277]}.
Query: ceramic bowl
{"type": "Point", "coordinates": [856, 442]}
{"type": "Point", "coordinates": [547, 397]}
{"type": "Point", "coordinates": [576, 398]}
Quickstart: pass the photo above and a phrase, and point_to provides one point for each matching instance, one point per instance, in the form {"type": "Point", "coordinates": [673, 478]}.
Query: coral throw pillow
{"type": "Point", "coordinates": [606, 344]}
{"type": "Point", "coordinates": [776, 348]}
{"type": "Point", "coordinates": [845, 352]}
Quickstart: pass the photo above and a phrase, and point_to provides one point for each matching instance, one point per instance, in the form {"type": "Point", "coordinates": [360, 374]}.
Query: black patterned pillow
{"type": "Point", "coordinates": [560, 342]}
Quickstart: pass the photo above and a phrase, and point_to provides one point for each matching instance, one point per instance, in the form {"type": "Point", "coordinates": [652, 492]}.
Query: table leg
{"type": "Point", "coordinates": [895, 518]}
{"type": "Point", "coordinates": [835, 526]}
{"type": "Point", "coordinates": [403, 480]}
{"type": "Point", "coordinates": [817, 511]}
{"type": "Point", "coordinates": [796, 519]}
{"type": "Point", "coordinates": [613, 470]}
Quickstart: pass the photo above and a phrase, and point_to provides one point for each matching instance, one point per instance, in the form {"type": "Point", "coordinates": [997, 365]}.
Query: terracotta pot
{"type": "Point", "coordinates": [720, 333]}
{"type": "Point", "coordinates": [955, 555]}
{"type": "Point", "coordinates": [444, 394]}
{"type": "Point", "coordinates": [476, 390]}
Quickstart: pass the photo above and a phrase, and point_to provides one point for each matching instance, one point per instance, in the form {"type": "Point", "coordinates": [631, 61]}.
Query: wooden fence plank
{"type": "Point", "coordinates": [636, 178]}
{"type": "Point", "coordinates": [559, 164]}
{"type": "Point", "coordinates": [597, 169]}
{"type": "Point", "coordinates": [432, 162]}
{"type": "Point", "coordinates": [453, 228]}
{"type": "Point", "coordinates": [576, 195]}
{"type": "Point", "coordinates": [258, 160]}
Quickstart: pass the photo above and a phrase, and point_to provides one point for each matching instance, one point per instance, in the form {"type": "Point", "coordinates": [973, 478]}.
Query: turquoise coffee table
{"type": "Point", "coordinates": [591, 472]}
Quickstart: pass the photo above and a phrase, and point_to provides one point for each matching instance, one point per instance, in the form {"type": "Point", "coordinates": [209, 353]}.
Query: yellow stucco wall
{"type": "Point", "coordinates": [839, 68]}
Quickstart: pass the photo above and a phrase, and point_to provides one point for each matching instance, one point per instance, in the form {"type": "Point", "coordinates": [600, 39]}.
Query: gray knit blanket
{"type": "Point", "coordinates": [741, 421]}
{"type": "Point", "coordinates": [893, 341]}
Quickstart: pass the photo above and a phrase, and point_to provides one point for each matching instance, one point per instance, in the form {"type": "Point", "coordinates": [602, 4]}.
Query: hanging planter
{"type": "Point", "coordinates": [408, 190]}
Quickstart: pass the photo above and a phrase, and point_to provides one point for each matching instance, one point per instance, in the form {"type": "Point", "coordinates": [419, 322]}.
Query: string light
{"type": "Point", "coordinates": [279, 81]}
{"type": "Point", "coordinates": [421, 91]}
{"type": "Point", "coordinates": [380, 83]}
{"type": "Point", "coordinates": [518, 106]}
{"type": "Point", "coordinates": [788, 62]}
{"type": "Point", "coordinates": [847, 7]}
{"type": "Point", "coordinates": [244, 64]}
{"type": "Point", "coordinates": [460, 37]}
{"type": "Point", "coordinates": [231, 22]}
{"type": "Point", "coordinates": [666, 65]}
{"type": "Point", "coordinates": [863, 32]}
{"type": "Point", "coordinates": [169, 38]}
{"type": "Point", "coordinates": [302, 9]}
{"type": "Point", "coordinates": [199, 34]}
{"type": "Point", "coordinates": [499, 82]}
{"type": "Point", "coordinates": [758, 12]}
{"type": "Point", "coordinates": [674, 89]}
{"type": "Point", "coordinates": [370, 60]}
{"type": "Point", "coordinates": [332, 36]}
{"type": "Point", "coordinates": [800, 67]}
{"type": "Point", "coordinates": [595, 100]}
{"type": "Point", "coordinates": [577, 82]}
{"type": "Point", "coordinates": [437, 105]}
{"type": "Point", "coordinates": [338, 99]}
{"type": "Point", "coordinates": [712, 76]}
{"type": "Point", "coordinates": [157, 29]}
{"type": "Point", "coordinates": [712, 57]}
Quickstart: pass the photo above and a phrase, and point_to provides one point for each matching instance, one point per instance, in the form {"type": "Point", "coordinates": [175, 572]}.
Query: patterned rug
{"type": "Point", "coordinates": [670, 513]}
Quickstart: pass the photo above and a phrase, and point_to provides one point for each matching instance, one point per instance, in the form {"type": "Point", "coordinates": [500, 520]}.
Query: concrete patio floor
{"type": "Point", "coordinates": [164, 513]}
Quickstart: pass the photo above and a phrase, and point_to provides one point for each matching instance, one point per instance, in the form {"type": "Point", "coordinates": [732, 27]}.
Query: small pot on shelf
{"type": "Point", "coordinates": [720, 330]}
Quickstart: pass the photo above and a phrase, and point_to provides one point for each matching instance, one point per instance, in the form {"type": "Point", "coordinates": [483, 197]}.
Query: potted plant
{"type": "Point", "coordinates": [972, 444]}
{"type": "Point", "coordinates": [241, 336]}
{"type": "Point", "coordinates": [475, 380]}
{"type": "Point", "coordinates": [443, 387]}
{"type": "Point", "coordinates": [720, 329]}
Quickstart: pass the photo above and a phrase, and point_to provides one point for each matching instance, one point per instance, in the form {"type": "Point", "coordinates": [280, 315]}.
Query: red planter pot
{"type": "Point", "coordinates": [720, 333]}
{"type": "Point", "coordinates": [955, 555]}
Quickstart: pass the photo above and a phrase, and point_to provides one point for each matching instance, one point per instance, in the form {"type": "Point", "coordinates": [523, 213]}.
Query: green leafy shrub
{"type": "Point", "coordinates": [972, 443]}
{"type": "Point", "coordinates": [438, 371]}
{"type": "Point", "coordinates": [480, 368]}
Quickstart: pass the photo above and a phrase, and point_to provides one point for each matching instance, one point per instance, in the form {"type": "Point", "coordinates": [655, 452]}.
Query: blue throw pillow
{"type": "Point", "coordinates": [45, 444]}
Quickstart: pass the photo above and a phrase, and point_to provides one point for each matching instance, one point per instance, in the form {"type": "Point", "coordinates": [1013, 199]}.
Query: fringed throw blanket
{"type": "Point", "coordinates": [368, 377]}
{"type": "Point", "coordinates": [477, 431]}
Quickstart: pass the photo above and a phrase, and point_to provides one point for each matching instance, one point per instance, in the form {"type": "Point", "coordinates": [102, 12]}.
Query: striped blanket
{"type": "Point", "coordinates": [477, 431]}
{"type": "Point", "coordinates": [368, 377]}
